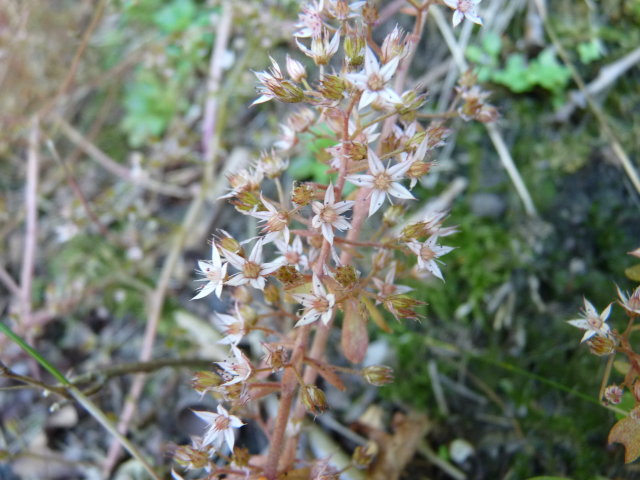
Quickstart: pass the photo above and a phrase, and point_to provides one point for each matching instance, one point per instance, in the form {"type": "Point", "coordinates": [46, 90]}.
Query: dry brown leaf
{"type": "Point", "coordinates": [397, 450]}
{"type": "Point", "coordinates": [627, 432]}
{"type": "Point", "coordinates": [355, 338]}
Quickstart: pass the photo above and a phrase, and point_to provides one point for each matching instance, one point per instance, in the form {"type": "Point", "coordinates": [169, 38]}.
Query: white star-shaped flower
{"type": "Point", "coordinates": [276, 222]}
{"type": "Point", "coordinates": [213, 272]}
{"type": "Point", "coordinates": [318, 304]}
{"type": "Point", "coordinates": [221, 427]}
{"type": "Point", "coordinates": [373, 80]}
{"type": "Point", "coordinates": [232, 328]}
{"type": "Point", "coordinates": [388, 286]}
{"type": "Point", "coordinates": [630, 303]}
{"type": "Point", "coordinates": [464, 9]}
{"type": "Point", "coordinates": [252, 270]}
{"type": "Point", "coordinates": [322, 49]}
{"type": "Point", "coordinates": [382, 181]}
{"type": "Point", "coordinates": [328, 215]}
{"type": "Point", "coordinates": [237, 370]}
{"type": "Point", "coordinates": [292, 254]}
{"type": "Point", "coordinates": [427, 253]}
{"type": "Point", "coordinates": [593, 322]}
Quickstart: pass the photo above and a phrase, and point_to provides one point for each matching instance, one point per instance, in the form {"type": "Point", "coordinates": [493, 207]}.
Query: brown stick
{"type": "Point", "coordinates": [31, 223]}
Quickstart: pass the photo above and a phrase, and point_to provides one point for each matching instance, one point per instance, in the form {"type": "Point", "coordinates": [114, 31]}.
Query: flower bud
{"type": "Point", "coordinates": [393, 214]}
{"type": "Point", "coordinates": [276, 358]}
{"type": "Point", "coordinates": [301, 120]}
{"type": "Point", "coordinates": [289, 276]}
{"type": "Point", "coordinates": [487, 114]}
{"type": "Point", "coordinates": [402, 306]}
{"type": "Point", "coordinates": [415, 231]}
{"type": "Point", "coordinates": [242, 295]}
{"type": "Point", "coordinates": [378, 375]}
{"type": "Point", "coordinates": [436, 133]}
{"type": "Point", "coordinates": [189, 457]}
{"type": "Point", "coordinates": [394, 45]}
{"type": "Point", "coordinates": [205, 381]}
{"type": "Point", "coordinates": [271, 164]}
{"type": "Point", "coordinates": [303, 194]}
{"type": "Point", "coordinates": [354, 44]}
{"type": "Point", "coordinates": [613, 394]}
{"type": "Point", "coordinates": [601, 346]}
{"type": "Point", "coordinates": [340, 10]}
{"type": "Point", "coordinates": [411, 103]}
{"type": "Point", "coordinates": [467, 80]}
{"type": "Point", "coordinates": [332, 87]}
{"type": "Point", "coordinates": [295, 69]}
{"type": "Point", "coordinates": [389, 144]}
{"type": "Point", "coordinates": [355, 150]}
{"type": "Point", "coordinates": [347, 276]}
{"type": "Point", "coordinates": [370, 14]}
{"type": "Point", "coordinates": [418, 169]}
{"type": "Point", "coordinates": [248, 314]}
{"type": "Point", "coordinates": [314, 399]}
{"type": "Point", "coordinates": [241, 456]}
{"type": "Point", "coordinates": [363, 455]}
{"type": "Point", "coordinates": [316, 241]}
{"type": "Point", "coordinates": [247, 201]}
{"type": "Point", "coordinates": [322, 47]}
{"type": "Point", "coordinates": [289, 92]}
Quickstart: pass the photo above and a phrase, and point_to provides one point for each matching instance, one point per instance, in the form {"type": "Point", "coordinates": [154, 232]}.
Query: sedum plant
{"type": "Point", "coordinates": [605, 341]}
{"type": "Point", "coordinates": [327, 256]}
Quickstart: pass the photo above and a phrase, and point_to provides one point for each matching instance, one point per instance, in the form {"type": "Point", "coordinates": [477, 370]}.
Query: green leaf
{"type": "Point", "coordinates": [474, 54]}
{"type": "Point", "coordinates": [547, 72]}
{"type": "Point", "coordinates": [590, 51]}
{"type": "Point", "coordinates": [175, 17]}
{"type": "Point", "coordinates": [515, 75]}
{"type": "Point", "coordinates": [492, 44]}
{"type": "Point", "coordinates": [633, 273]}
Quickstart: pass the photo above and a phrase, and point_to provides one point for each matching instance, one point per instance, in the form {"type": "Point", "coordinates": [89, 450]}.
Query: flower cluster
{"type": "Point", "coordinates": [605, 341]}
{"type": "Point", "coordinates": [341, 250]}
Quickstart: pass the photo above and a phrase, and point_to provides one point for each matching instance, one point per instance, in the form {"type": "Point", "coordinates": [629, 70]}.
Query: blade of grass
{"type": "Point", "coordinates": [81, 398]}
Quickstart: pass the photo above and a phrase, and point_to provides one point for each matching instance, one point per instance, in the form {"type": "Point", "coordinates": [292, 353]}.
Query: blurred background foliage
{"type": "Point", "coordinates": [493, 364]}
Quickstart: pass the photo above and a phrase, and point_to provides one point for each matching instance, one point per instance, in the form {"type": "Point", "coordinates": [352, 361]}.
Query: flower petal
{"type": "Point", "coordinates": [377, 199]}
{"type": "Point", "coordinates": [398, 191]}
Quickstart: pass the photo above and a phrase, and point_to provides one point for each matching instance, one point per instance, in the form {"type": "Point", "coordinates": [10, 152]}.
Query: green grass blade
{"type": "Point", "coordinates": [81, 398]}
{"type": "Point", "coordinates": [34, 354]}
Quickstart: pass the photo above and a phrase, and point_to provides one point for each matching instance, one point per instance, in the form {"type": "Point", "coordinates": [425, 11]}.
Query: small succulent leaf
{"type": "Point", "coordinates": [633, 273]}
{"type": "Point", "coordinates": [355, 338]}
{"type": "Point", "coordinates": [376, 316]}
{"type": "Point", "coordinates": [627, 432]}
{"type": "Point", "coordinates": [327, 373]}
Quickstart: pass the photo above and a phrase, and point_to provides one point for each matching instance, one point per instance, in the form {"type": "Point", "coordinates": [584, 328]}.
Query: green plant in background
{"type": "Point", "coordinates": [518, 73]}
{"type": "Point", "coordinates": [590, 51]}
{"type": "Point", "coordinates": [158, 91]}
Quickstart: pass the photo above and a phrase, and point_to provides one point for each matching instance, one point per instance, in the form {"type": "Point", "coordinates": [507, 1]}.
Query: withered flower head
{"type": "Point", "coordinates": [378, 375]}
{"type": "Point", "coordinates": [314, 399]}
